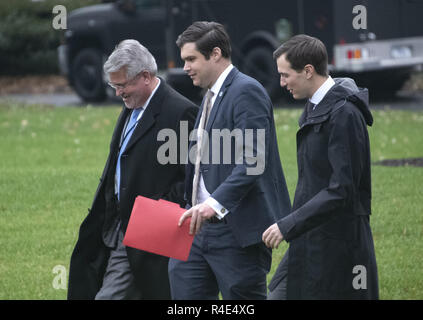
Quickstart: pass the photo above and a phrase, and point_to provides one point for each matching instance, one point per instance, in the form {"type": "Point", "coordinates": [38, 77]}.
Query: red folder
{"type": "Point", "coordinates": [153, 227]}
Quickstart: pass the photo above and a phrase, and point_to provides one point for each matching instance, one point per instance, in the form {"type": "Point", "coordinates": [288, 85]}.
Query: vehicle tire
{"type": "Point", "coordinates": [259, 64]}
{"type": "Point", "coordinates": [87, 75]}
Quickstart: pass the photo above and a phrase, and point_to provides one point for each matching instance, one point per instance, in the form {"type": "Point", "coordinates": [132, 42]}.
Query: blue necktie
{"type": "Point", "coordinates": [129, 129]}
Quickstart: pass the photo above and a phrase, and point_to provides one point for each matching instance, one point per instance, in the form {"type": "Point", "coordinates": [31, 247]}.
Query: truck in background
{"type": "Point", "coordinates": [381, 56]}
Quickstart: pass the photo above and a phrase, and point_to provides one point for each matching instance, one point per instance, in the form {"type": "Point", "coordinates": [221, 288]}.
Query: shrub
{"type": "Point", "coordinates": [28, 42]}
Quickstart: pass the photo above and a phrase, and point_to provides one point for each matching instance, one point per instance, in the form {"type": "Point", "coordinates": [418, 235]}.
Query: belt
{"type": "Point", "coordinates": [215, 219]}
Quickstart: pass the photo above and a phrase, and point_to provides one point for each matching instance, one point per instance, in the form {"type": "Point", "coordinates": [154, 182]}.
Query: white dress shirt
{"type": "Point", "coordinates": [321, 92]}
{"type": "Point", "coordinates": [203, 195]}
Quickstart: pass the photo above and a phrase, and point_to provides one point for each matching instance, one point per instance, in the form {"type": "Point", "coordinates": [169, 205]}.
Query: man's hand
{"type": "Point", "coordinates": [272, 237]}
{"type": "Point", "coordinates": [198, 214]}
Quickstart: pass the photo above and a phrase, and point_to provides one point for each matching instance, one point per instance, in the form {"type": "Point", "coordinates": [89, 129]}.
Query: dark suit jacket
{"type": "Point", "coordinates": [141, 174]}
{"type": "Point", "coordinates": [254, 201]}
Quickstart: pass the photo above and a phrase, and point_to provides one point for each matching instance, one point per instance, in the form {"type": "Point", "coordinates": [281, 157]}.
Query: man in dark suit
{"type": "Point", "coordinates": [235, 190]}
{"type": "Point", "coordinates": [331, 252]}
{"type": "Point", "coordinates": [101, 267]}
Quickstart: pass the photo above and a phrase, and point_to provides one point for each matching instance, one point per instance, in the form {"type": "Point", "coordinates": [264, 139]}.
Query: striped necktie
{"type": "Point", "coordinates": [201, 127]}
{"type": "Point", "coordinates": [126, 136]}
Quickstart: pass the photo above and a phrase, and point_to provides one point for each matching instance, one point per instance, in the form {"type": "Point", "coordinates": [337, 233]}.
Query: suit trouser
{"type": "Point", "coordinates": [118, 281]}
{"type": "Point", "coordinates": [278, 284]}
{"type": "Point", "coordinates": [217, 263]}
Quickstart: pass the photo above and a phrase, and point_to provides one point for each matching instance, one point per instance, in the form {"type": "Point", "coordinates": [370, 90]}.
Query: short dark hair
{"type": "Point", "coordinates": [206, 36]}
{"type": "Point", "coordinates": [301, 50]}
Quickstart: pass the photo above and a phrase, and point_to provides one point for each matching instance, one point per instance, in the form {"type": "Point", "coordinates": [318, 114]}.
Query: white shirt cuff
{"type": "Point", "coordinates": [220, 210]}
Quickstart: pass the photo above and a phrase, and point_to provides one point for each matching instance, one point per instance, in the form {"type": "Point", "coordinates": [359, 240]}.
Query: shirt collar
{"type": "Point", "coordinates": [145, 105]}
{"type": "Point", "coordinates": [321, 92]}
{"type": "Point", "coordinates": [219, 82]}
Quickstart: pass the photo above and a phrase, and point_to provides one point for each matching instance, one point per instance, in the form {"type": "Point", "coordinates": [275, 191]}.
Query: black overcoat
{"type": "Point", "coordinates": [331, 251]}
{"type": "Point", "coordinates": [141, 174]}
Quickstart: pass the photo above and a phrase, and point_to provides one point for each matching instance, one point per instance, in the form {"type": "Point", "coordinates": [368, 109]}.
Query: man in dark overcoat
{"type": "Point", "coordinates": [331, 252]}
{"type": "Point", "coordinates": [101, 266]}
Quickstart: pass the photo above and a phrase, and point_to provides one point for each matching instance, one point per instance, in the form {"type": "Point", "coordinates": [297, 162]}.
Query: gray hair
{"type": "Point", "coordinates": [133, 56]}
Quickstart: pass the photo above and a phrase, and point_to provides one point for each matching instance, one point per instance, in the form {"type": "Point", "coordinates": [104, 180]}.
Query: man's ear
{"type": "Point", "coordinates": [147, 76]}
{"type": "Point", "coordinates": [216, 53]}
{"type": "Point", "coordinates": [309, 70]}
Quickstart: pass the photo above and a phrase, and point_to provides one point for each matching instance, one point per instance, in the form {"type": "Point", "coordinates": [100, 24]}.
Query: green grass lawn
{"type": "Point", "coordinates": [52, 158]}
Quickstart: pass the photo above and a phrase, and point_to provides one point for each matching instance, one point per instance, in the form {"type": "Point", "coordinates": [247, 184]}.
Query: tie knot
{"type": "Point", "coordinates": [209, 94]}
{"type": "Point", "coordinates": [310, 106]}
{"type": "Point", "coordinates": [135, 114]}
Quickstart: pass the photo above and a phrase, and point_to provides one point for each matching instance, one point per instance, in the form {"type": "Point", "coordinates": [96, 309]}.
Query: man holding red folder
{"type": "Point", "coordinates": [230, 207]}
{"type": "Point", "coordinates": [101, 266]}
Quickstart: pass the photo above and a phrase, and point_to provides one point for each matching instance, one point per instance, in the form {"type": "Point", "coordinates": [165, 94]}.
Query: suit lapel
{"type": "Point", "coordinates": [220, 97]}
{"type": "Point", "coordinates": [148, 118]}
{"type": "Point", "coordinates": [216, 104]}
{"type": "Point", "coordinates": [114, 144]}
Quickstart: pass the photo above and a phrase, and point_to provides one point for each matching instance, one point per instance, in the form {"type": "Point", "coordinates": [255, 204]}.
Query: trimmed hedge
{"type": "Point", "coordinates": [28, 41]}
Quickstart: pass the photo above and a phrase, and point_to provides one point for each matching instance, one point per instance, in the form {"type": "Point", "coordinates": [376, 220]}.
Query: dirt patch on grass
{"type": "Point", "coordinates": [34, 84]}
{"type": "Point", "coordinates": [412, 162]}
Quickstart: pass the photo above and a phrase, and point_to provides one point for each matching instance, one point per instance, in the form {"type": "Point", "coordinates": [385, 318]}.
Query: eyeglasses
{"type": "Point", "coordinates": [122, 86]}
